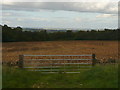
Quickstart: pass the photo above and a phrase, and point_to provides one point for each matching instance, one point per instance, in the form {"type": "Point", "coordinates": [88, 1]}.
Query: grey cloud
{"type": "Point", "coordinates": [97, 7]}
{"type": "Point", "coordinates": [11, 14]}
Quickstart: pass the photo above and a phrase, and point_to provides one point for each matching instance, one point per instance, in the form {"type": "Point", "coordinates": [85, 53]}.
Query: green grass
{"type": "Point", "coordinates": [97, 77]}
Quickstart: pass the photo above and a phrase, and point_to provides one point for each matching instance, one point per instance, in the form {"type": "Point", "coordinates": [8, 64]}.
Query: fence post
{"type": "Point", "coordinates": [21, 57]}
{"type": "Point", "coordinates": [93, 60]}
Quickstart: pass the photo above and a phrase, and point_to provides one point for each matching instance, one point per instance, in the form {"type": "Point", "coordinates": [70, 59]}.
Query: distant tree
{"type": "Point", "coordinates": [18, 29]}
{"type": "Point", "coordinates": [17, 34]}
{"type": "Point", "coordinates": [69, 35]}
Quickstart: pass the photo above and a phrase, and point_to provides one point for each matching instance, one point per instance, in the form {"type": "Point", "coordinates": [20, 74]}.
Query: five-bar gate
{"type": "Point", "coordinates": [57, 63]}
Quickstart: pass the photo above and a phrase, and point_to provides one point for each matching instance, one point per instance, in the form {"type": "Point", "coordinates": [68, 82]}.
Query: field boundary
{"type": "Point", "coordinates": [57, 63]}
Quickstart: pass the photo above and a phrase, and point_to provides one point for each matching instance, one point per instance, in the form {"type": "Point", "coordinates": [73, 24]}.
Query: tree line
{"type": "Point", "coordinates": [17, 34]}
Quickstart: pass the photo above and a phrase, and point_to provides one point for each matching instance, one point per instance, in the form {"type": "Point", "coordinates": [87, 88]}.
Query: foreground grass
{"type": "Point", "coordinates": [97, 77]}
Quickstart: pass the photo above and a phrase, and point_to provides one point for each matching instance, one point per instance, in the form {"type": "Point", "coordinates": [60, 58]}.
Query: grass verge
{"type": "Point", "coordinates": [98, 77]}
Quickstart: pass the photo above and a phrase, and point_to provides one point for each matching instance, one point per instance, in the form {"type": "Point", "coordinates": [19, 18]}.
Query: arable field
{"type": "Point", "coordinates": [104, 50]}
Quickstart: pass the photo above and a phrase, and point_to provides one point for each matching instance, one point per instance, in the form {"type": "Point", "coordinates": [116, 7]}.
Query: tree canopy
{"type": "Point", "coordinates": [17, 34]}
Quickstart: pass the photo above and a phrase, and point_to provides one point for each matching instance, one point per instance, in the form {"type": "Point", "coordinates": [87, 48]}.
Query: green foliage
{"type": "Point", "coordinates": [97, 77]}
{"type": "Point", "coordinates": [16, 34]}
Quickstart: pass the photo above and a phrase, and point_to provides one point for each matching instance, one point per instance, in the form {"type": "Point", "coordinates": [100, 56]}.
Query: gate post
{"type": "Point", "coordinates": [93, 60]}
{"type": "Point", "coordinates": [21, 58]}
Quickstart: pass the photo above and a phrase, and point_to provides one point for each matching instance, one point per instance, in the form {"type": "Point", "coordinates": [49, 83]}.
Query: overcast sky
{"type": "Point", "coordinates": [95, 15]}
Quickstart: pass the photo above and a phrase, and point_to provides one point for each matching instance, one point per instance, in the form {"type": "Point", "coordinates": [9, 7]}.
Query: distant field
{"type": "Point", "coordinates": [103, 49]}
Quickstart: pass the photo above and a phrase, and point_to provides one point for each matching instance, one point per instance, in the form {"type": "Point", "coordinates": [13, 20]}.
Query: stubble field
{"type": "Point", "coordinates": [104, 50]}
